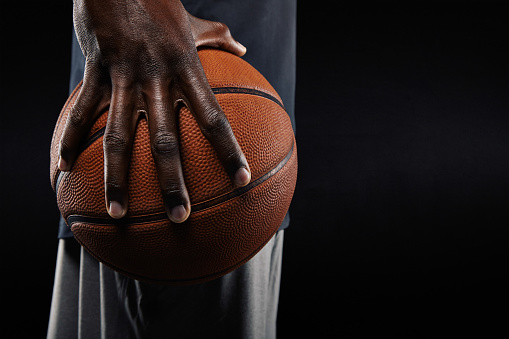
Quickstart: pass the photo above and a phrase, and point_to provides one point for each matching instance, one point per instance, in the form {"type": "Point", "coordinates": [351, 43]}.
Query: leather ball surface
{"type": "Point", "coordinates": [227, 225]}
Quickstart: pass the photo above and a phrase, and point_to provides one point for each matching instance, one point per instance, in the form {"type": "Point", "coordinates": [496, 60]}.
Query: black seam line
{"type": "Point", "coordinates": [216, 90]}
{"type": "Point", "coordinates": [109, 222]}
{"type": "Point", "coordinates": [196, 279]}
{"type": "Point", "coordinates": [241, 190]}
{"type": "Point", "coordinates": [243, 90]}
{"type": "Point", "coordinates": [99, 133]}
{"type": "Point", "coordinates": [186, 280]}
{"type": "Point", "coordinates": [194, 208]}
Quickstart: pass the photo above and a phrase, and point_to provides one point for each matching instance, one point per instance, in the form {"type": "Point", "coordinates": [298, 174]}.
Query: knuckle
{"type": "Point", "coordinates": [165, 144]}
{"type": "Point", "coordinates": [77, 117]}
{"type": "Point", "coordinates": [112, 183]}
{"type": "Point", "coordinates": [172, 191]}
{"type": "Point", "coordinates": [225, 44]}
{"type": "Point", "coordinates": [115, 142]}
{"type": "Point", "coordinates": [222, 29]}
{"type": "Point", "coordinates": [215, 125]}
{"type": "Point", "coordinates": [180, 59]}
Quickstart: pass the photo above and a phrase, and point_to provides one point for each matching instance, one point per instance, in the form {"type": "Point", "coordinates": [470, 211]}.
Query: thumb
{"type": "Point", "coordinates": [214, 34]}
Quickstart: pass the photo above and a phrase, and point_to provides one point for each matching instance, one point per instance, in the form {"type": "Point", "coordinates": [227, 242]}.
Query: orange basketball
{"type": "Point", "coordinates": [227, 225]}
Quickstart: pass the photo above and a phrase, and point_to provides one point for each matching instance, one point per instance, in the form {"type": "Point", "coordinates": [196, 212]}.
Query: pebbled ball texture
{"type": "Point", "coordinates": [227, 226]}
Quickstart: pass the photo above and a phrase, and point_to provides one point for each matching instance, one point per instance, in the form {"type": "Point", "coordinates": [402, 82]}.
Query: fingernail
{"type": "Point", "coordinates": [242, 177]}
{"type": "Point", "coordinates": [243, 47]}
{"type": "Point", "coordinates": [178, 214]}
{"type": "Point", "coordinates": [116, 210]}
{"type": "Point", "coordinates": [62, 164]}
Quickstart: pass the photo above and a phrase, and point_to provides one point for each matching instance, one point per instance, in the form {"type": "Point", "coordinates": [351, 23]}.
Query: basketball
{"type": "Point", "coordinates": [227, 226]}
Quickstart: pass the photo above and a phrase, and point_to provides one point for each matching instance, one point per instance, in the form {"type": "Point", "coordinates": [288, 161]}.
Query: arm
{"type": "Point", "coordinates": [141, 58]}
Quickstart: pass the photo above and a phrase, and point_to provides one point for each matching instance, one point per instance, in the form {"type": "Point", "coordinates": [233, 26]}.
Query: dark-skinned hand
{"type": "Point", "coordinates": [141, 58]}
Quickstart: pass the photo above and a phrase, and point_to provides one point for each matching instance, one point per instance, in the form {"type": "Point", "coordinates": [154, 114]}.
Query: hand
{"type": "Point", "coordinates": [141, 58]}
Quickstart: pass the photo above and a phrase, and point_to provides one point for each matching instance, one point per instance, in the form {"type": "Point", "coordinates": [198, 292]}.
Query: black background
{"type": "Point", "coordinates": [399, 221]}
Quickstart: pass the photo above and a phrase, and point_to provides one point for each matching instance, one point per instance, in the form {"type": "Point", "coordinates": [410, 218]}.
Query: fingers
{"type": "Point", "coordinates": [216, 128]}
{"type": "Point", "coordinates": [117, 144]}
{"type": "Point", "coordinates": [87, 106]}
{"type": "Point", "coordinates": [166, 152]}
{"type": "Point", "coordinates": [165, 146]}
{"type": "Point", "coordinates": [159, 101]}
{"type": "Point", "coordinates": [216, 35]}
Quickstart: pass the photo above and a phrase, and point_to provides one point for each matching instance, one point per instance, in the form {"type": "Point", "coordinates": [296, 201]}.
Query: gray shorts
{"type": "Point", "coordinates": [92, 301]}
